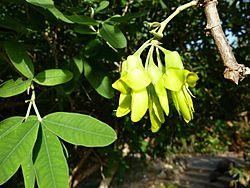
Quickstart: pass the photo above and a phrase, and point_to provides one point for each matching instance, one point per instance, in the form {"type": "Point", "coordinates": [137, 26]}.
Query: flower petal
{"type": "Point", "coordinates": [139, 104]}
{"type": "Point", "coordinates": [174, 79]}
{"type": "Point", "coordinates": [135, 76]}
{"type": "Point", "coordinates": [184, 103]}
{"type": "Point", "coordinates": [161, 92]}
{"type": "Point", "coordinates": [173, 60]}
{"type": "Point", "coordinates": [121, 86]}
{"type": "Point", "coordinates": [124, 105]}
{"type": "Point", "coordinates": [155, 123]}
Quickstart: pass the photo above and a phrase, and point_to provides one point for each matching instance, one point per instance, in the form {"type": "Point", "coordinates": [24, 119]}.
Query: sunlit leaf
{"type": "Point", "coordinates": [19, 58]}
{"type": "Point", "coordinates": [113, 35]}
{"type": "Point", "coordinates": [53, 77]}
{"type": "Point", "coordinates": [79, 129]}
{"type": "Point", "coordinates": [15, 146]}
{"type": "Point", "coordinates": [99, 79]}
{"type": "Point", "coordinates": [50, 163]}
{"type": "Point", "coordinates": [9, 124]}
{"type": "Point", "coordinates": [14, 87]}
{"type": "Point", "coordinates": [49, 5]}
{"type": "Point", "coordinates": [28, 172]}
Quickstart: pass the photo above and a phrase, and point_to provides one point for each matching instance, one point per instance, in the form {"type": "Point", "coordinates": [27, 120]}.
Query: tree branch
{"type": "Point", "coordinates": [234, 71]}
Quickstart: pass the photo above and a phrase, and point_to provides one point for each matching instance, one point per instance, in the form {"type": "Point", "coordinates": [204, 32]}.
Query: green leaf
{"type": "Point", "coordinates": [102, 6]}
{"type": "Point", "coordinates": [99, 79]}
{"type": "Point", "coordinates": [19, 58]}
{"type": "Point", "coordinates": [50, 163]}
{"type": "Point", "coordinates": [9, 124]}
{"type": "Point", "coordinates": [14, 87]}
{"type": "Point", "coordinates": [84, 20]}
{"type": "Point", "coordinates": [28, 172]}
{"type": "Point", "coordinates": [77, 67]}
{"type": "Point", "coordinates": [83, 29]}
{"type": "Point", "coordinates": [113, 35]}
{"type": "Point", "coordinates": [49, 5]}
{"type": "Point", "coordinates": [15, 146]}
{"type": "Point", "coordinates": [79, 129]}
{"type": "Point", "coordinates": [127, 17]}
{"type": "Point", "coordinates": [13, 24]}
{"type": "Point", "coordinates": [53, 77]}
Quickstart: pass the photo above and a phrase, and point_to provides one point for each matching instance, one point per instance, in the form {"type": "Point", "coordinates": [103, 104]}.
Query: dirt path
{"type": "Point", "coordinates": [184, 170]}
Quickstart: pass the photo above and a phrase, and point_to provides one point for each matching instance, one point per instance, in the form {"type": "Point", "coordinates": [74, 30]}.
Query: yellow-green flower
{"type": "Point", "coordinates": [156, 77]}
{"type": "Point", "coordinates": [156, 113]}
{"type": "Point", "coordinates": [133, 87]}
{"type": "Point", "coordinates": [177, 79]}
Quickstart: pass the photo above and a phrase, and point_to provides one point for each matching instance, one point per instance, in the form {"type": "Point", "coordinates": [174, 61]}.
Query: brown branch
{"type": "Point", "coordinates": [107, 180]}
{"type": "Point", "coordinates": [80, 164]}
{"type": "Point", "coordinates": [234, 71]}
{"type": "Point", "coordinates": [80, 177]}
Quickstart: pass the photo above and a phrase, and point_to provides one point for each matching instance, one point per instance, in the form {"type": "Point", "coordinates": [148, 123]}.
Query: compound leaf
{"type": "Point", "coordinates": [9, 124]}
{"type": "Point", "coordinates": [50, 163]}
{"type": "Point", "coordinates": [79, 129]}
{"type": "Point", "coordinates": [28, 172]}
{"type": "Point", "coordinates": [16, 145]}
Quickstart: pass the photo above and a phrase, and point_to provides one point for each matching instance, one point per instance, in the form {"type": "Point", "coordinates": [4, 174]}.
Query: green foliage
{"type": "Point", "coordinates": [50, 164]}
{"type": "Point", "coordinates": [53, 77]}
{"type": "Point", "coordinates": [19, 135]}
{"type": "Point", "coordinates": [19, 58]}
{"type": "Point", "coordinates": [82, 44]}
{"type": "Point", "coordinates": [99, 79]}
{"type": "Point", "coordinates": [113, 35]}
{"type": "Point", "coordinates": [14, 87]}
{"type": "Point", "coordinates": [79, 129]}
{"type": "Point", "coordinates": [16, 145]}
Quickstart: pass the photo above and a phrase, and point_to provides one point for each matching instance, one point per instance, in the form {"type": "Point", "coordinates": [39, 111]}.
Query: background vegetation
{"type": "Point", "coordinates": [221, 108]}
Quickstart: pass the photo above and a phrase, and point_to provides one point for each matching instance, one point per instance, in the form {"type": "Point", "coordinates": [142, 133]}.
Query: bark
{"type": "Point", "coordinates": [233, 71]}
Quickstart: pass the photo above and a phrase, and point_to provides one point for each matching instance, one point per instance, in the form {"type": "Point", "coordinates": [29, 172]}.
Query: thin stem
{"type": "Point", "coordinates": [159, 63]}
{"type": "Point", "coordinates": [145, 45]}
{"type": "Point", "coordinates": [32, 103]}
{"type": "Point", "coordinates": [150, 53]}
{"type": "Point", "coordinates": [177, 11]}
{"type": "Point", "coordinates": [28, 110]}
{"type": "Point", "coordinates": [37, 112]}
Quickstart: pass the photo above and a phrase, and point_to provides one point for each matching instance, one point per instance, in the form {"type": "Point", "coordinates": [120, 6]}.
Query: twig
{"type": "Point", "coordinates": [234, 71]}
{"type": "Point", "coordinates": [177, 11]}
{"type": "Point", "coordinates": [85, 174]}
{"type": "Point", "coordinates": [79, 165]}
{"type": "Point", "coordinates": [126, 8]}
{"type": "Point", "coordinates": [106, 182]}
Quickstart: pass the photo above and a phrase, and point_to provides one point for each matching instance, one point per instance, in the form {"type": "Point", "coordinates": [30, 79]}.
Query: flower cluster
{"type": "Point", "coordinates": [147, 87]}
